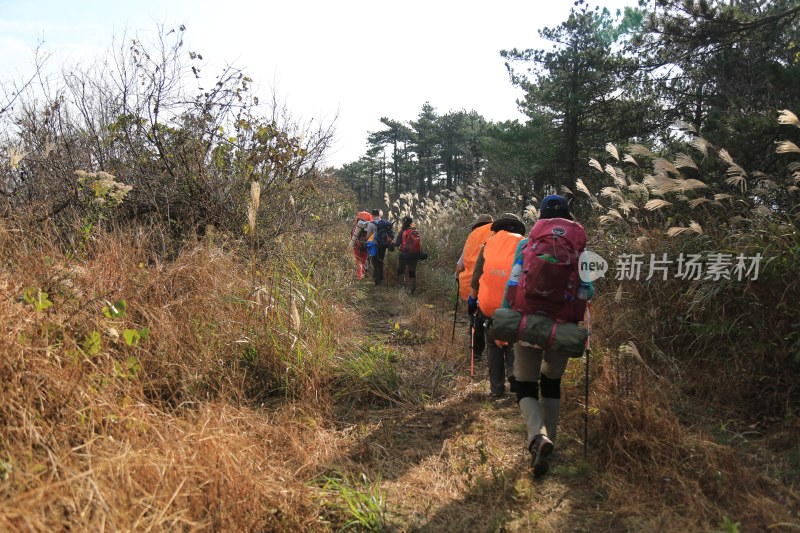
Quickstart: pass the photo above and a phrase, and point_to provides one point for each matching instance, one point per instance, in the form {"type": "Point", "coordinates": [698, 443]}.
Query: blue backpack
{"type": "Point", "coordinates": [384, 233]}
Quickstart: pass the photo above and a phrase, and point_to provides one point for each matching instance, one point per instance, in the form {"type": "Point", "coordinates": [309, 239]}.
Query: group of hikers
{"type": "Point", "coordinates": [372, 236]}
{"type": "Point", "coordinates": [525, 299]}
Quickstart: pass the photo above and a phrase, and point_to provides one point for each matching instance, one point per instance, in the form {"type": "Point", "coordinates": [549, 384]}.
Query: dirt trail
{"type": "Point", "coordinates": [456, 461]}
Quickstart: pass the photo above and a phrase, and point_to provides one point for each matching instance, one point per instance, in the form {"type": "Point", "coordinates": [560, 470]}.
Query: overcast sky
{"type": "Point", "coordinates": [361, 60]}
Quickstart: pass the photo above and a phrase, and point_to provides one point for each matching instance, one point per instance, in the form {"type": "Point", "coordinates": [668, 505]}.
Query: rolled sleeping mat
{"type": "Point", "coordinates": [564, 339]}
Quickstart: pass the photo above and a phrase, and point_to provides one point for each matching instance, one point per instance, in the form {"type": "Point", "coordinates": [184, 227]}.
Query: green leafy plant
{"type": "Point", "coordinates": [128, 369]}
{"type": "Point", "coordinates": [728, 526]}
{"type": "Point", "coordinates": [370, 374]}
{"type": "Point", "coordinates": [39, 299]}
{"type": "Point", "coordinates": [5, 469]}
{"type": "Point", "coordinates": [92, 344]}
{"type": "Point", "coordinates": [115, 310]}
{"type": "Point", "coordinates": [357, 498]}
{"type": "Point", "coordinates": [133, 336]}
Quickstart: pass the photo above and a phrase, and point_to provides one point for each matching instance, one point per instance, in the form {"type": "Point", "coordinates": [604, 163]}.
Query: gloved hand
{"type": "Point", "coordinates": [501, 344]}
{"type": "Point", "coordinates": [472, 305]}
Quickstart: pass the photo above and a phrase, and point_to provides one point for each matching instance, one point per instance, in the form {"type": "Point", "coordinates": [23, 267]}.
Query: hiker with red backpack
{"type": "Point", "coordinates": [492, 270]}
{"type": "Point", "coordinates": [410, 252]}
{"type": "Point", "coordinates": [358, 242]}
{"type": "Point", "coordinates": [380, 234]}
{"type": "Point", "coordinates": [545, 282]}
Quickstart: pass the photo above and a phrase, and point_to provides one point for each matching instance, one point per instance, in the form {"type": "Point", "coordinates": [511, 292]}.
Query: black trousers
{"type": "Point", "coordinates": [377, 265]}
{"type": "Point", "coordinates": [500, 362]}
{"type": "Point", "coordinates": [478, 333]}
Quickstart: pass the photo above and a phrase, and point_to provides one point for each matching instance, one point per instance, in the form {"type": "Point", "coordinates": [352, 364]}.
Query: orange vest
{"type": "Point", "coordinates": [498, 256]}
{"type": "Point", "coordinates": [471, 250]}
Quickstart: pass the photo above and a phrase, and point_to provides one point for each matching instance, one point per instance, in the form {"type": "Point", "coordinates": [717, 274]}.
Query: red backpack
{"type": "Point", "coordinates": [548, 284]}
{"type": "Point", "coordinates": [410, 243]}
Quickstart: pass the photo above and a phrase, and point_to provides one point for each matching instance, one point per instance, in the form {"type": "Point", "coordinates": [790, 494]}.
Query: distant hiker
{"type": "Point", "coordinates": [545, 281]}
{"type": "Point", "coordinates": [410, 248]}
{"type": "Point", "coordinates": [358, 242]}
{"type": "Point", "coordinates": [381, 234]}
{"type": "Point", "coordinates": [492, 270]}
{"type": "Point", "coordinates": [479, 234]}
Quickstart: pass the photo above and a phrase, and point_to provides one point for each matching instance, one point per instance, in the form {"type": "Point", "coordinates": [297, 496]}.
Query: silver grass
{"type": "Point", "coordinates": [581, 186]}
{"type": "Point", "coordinates": [677, 230]}
{"type": "Point", "coordinates": [787, 117]}
{"type": "Point", "coordinates": [627, 206]}
{"type": "Point", "coordinates": [594, 163]}
{"type": "Point", "coordinates": [628, 158]}
{"type": "Point", "coordinates": [737, 180]}
{"type": "Point", "coordinates": [663, 166]}
{"type": "Point", "coordinates": [639, 188]}
{"type": "Point", "coordinates": [611, 192]}
{"type": "Point", "coordinates": [612, 150]}
{"type": "Point", "coordinates": [684, 161]}
{"type": "Point", "coordinates": [698, 201]}
{"type": "Point", "coordinates": [691, 184]}
{"type": "Point", "coordinates": [725, 156]}
{"type": "Point", "coordinates": [630, 350]}
{"type": "Point", "coordinates": [786, 147]}
{"type": "Point", "coordinates": [653, 205]}
{"type": "Point", "coordinates": [700, 144]}
{"type": "Point", "coordinates": [638, 149]}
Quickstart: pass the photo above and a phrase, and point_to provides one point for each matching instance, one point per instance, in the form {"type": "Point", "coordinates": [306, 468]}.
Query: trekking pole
{"type": "Point", "coordinates": [455, 317]}
{"type": "Point", "coordinates": [586, 384]}
{"type": "Point", "coordinates": [472, 346]}
{"type": "Point", "coordinates": [455, 313]}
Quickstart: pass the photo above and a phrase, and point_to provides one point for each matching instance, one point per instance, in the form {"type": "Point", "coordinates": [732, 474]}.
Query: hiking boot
{"type": "Point", "coordinates": [540, 449]}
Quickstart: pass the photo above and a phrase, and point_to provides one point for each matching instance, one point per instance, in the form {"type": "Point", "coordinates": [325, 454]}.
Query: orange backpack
{"type": "Point", "coordinates": [498, 257]}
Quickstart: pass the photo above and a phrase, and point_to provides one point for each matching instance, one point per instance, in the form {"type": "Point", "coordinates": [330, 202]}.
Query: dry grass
{"type": "Point", "coordinates": [652, 464]}
{"type": "Point", "coordinates": [245, 408]}
{"type": "Point", "coordinates": [166, 434]}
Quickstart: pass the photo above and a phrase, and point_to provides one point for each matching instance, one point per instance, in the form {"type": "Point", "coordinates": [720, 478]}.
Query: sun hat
{"type": "Point", "coordinates": [509, 222]}
{"type": "Point", "coordinates": [482, 220]}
